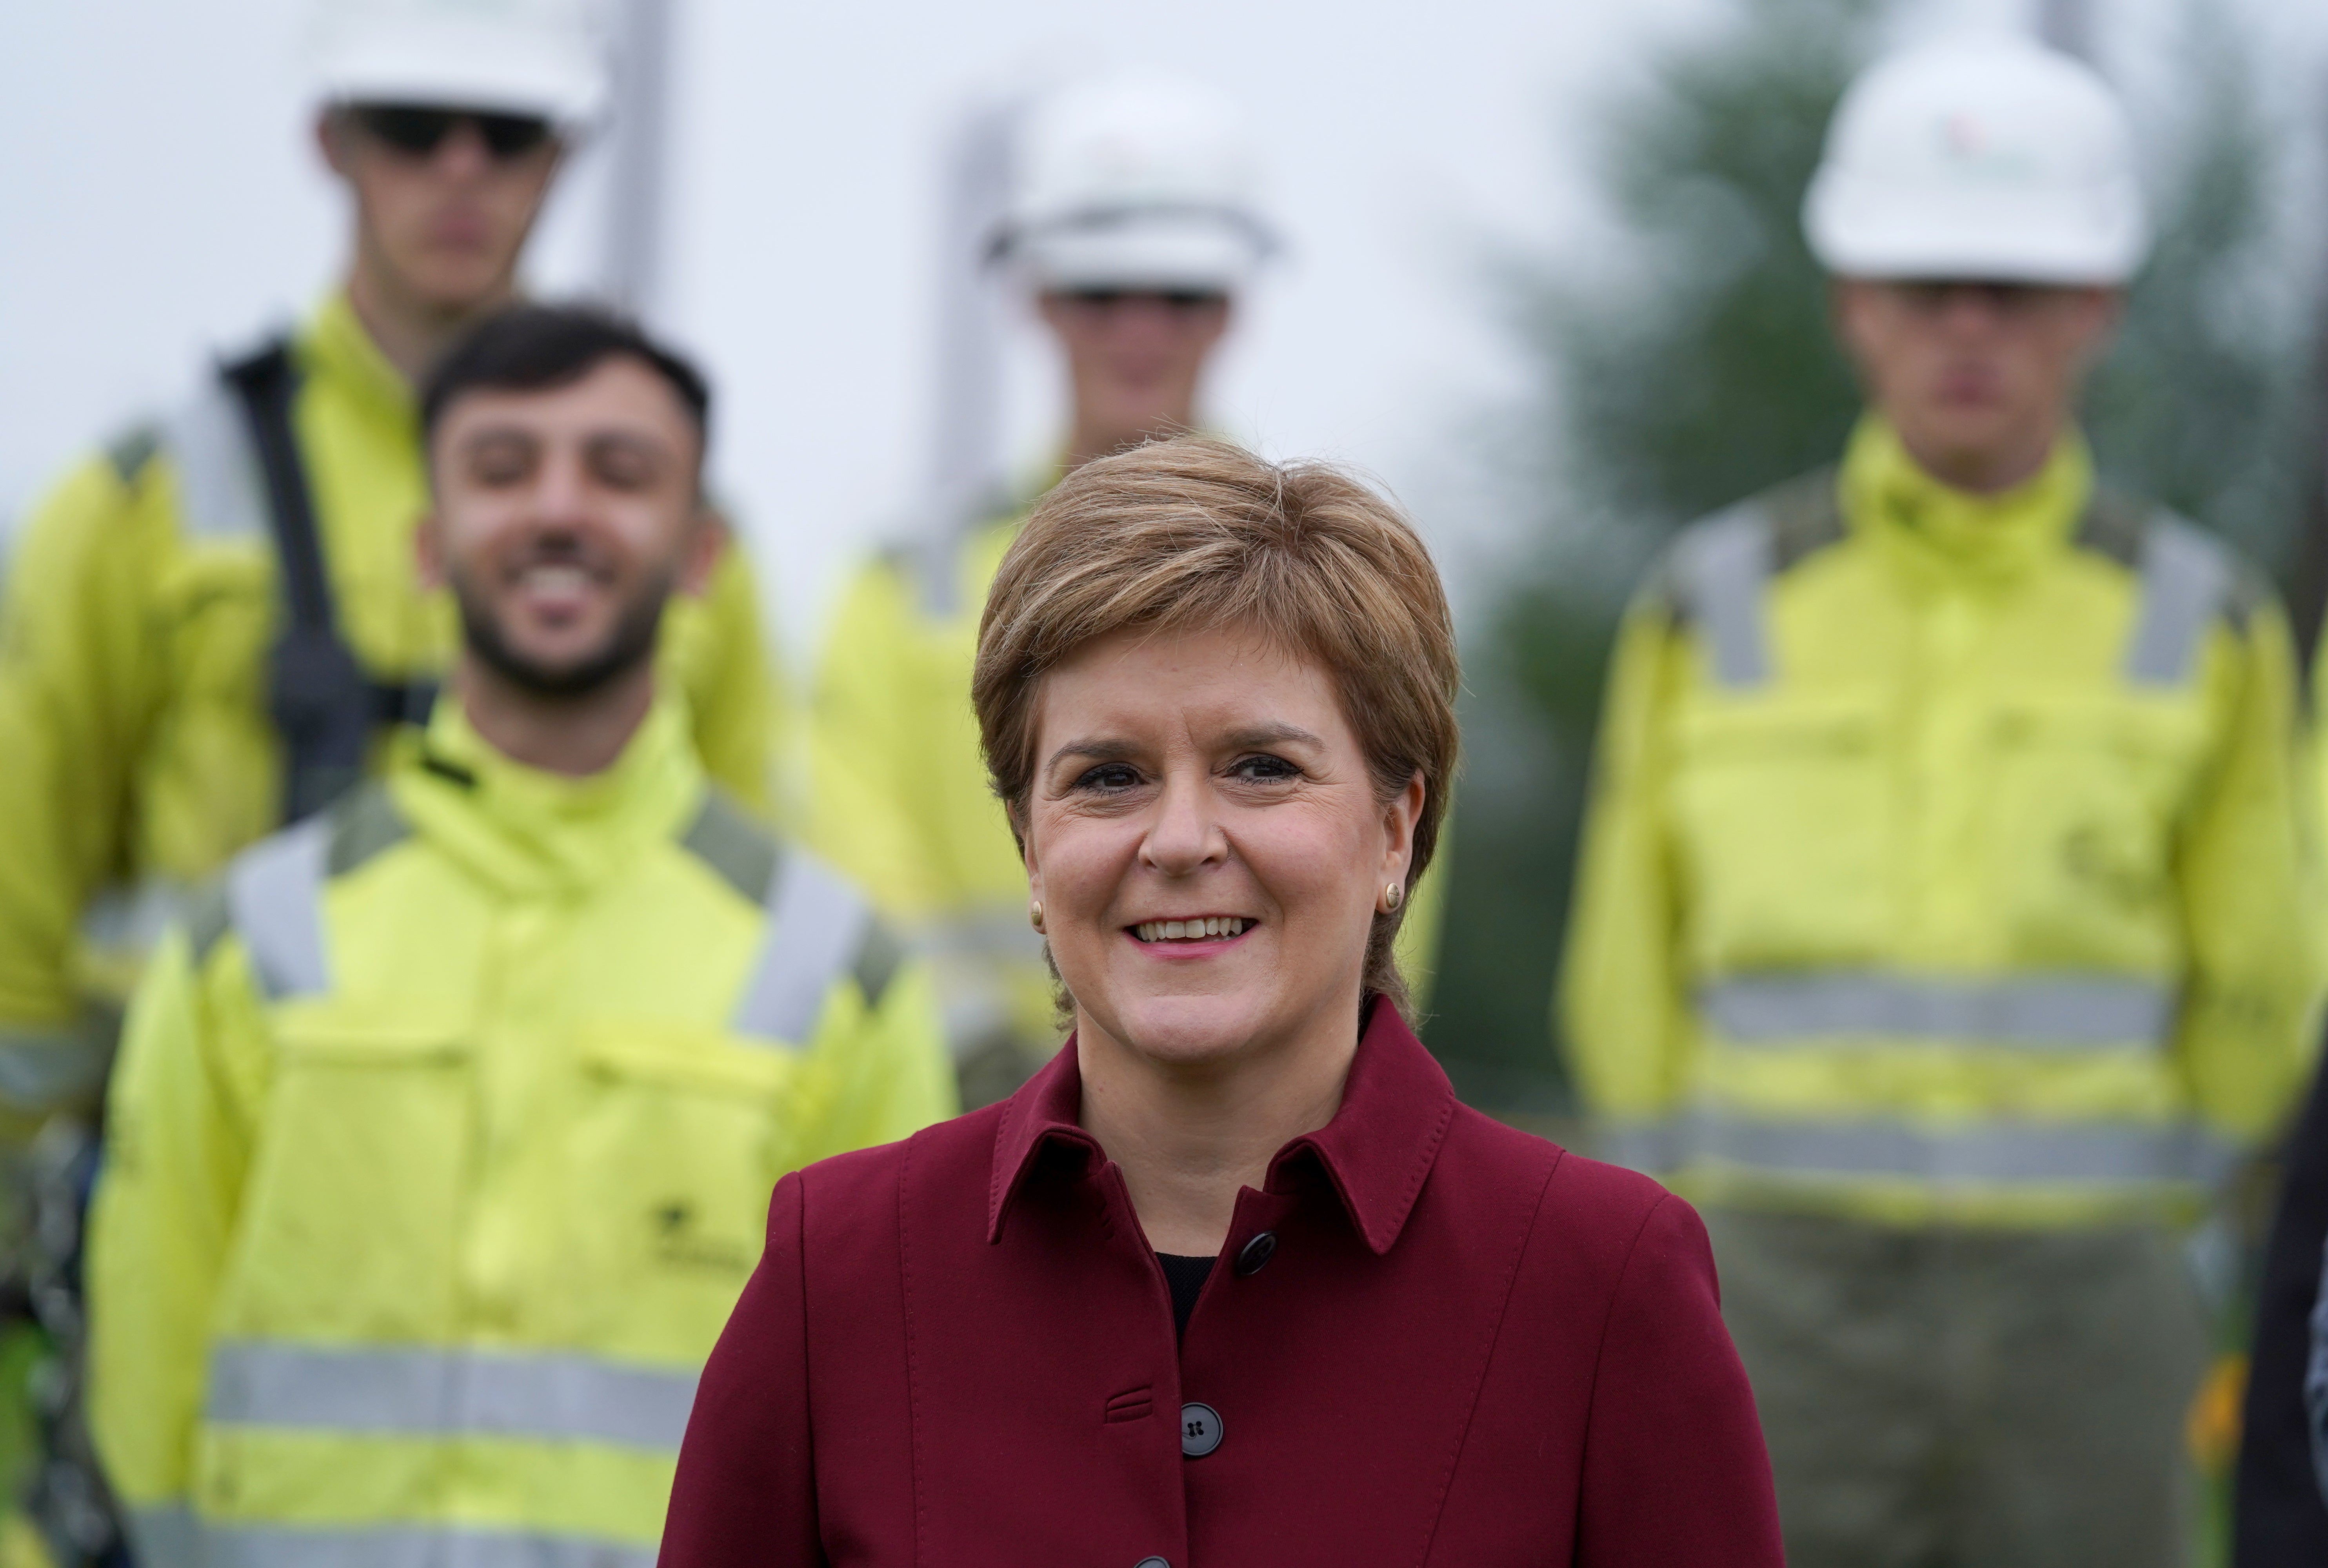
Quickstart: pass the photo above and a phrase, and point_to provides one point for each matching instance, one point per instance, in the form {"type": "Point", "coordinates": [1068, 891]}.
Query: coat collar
{"type": "Point", "coordinates": [1943, 535]}
{"type": "Point", "coordinates": [1375, 1153]}
{"type": "Point", "coordinates": [526, 832]}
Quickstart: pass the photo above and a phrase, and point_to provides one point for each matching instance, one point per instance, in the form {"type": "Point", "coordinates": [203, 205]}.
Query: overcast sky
{"type": "Point", "coordinates": [159, 200]}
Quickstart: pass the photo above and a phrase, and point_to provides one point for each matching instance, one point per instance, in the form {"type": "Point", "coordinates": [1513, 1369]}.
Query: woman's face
{"type": "Point", "coordinates": [1206, 842]}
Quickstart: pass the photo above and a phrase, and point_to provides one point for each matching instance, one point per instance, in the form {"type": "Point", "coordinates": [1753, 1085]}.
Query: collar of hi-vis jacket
{"type": "Point", "coordinates": [336, 346]}
{"type": "Point", "coordinates": [523, 831]}
{"type": "Point", "coordinates": [1941, 536]}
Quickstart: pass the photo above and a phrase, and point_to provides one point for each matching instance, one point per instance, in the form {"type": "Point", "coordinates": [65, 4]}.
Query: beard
{"type": "Point", "coordinates": [630, 643]}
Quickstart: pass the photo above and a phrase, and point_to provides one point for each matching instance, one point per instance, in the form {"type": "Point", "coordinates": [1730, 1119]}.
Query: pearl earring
{"type": "Point", "coordinates": [1035, 915]}
{"type": "Point", "coordinates": [1393, 895]}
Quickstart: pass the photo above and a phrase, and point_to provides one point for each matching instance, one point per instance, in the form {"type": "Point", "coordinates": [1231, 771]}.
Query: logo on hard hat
{"type": "Point", "coordinates": [1964, 135]}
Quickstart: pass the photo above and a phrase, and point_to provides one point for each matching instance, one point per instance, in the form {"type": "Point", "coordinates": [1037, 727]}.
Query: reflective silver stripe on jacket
{"type": "Point", "coordinates": [2033, 1013]}
{"type": "Point", "coordinates": [221, 493]}
{"type": "Point", "coordinates": [990, 936]}
{"type": "Point", "coordinates": [442, 1393]}
{"type": "Point", "coordinates": [1720, 567]}
{"type": "Point", "coordinates": [816, 921]}
{"type": "Point", "coordinates": [1990, 1152]}
{"type": "Point", "coordinates": [275, 892]}
{"type": "Point", "coordinates": [1649, 1147]}
{"type": "Point", "coordinates": [165, 1536]}
{"type": "Point", "coordinates": [410, 1546]}
{"type": "Point", "coordinates": [2185, 581]}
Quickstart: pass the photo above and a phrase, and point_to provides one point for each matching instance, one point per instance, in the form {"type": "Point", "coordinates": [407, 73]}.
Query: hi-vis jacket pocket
{"type": "Point", "coordinates": [1780, 817]}
{"type": "Point", "coordinates": [354, 1205]}
{"type": "Point", "coordinates": [2089, 792]}
{"type": "Point", "coordinates": [679, 1133]}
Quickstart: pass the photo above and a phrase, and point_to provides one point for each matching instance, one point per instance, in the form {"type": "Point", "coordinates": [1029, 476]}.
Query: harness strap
{"type": "Point", "coordinates": [322, 703]}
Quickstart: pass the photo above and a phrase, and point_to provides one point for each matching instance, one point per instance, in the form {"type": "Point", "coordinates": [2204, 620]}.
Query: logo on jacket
{"type": "Point", "coordinates": [679, 1240]}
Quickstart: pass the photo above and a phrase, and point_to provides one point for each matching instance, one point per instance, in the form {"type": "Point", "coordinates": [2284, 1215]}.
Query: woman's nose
{"type": "Point", "coordinates": [1187, 832]}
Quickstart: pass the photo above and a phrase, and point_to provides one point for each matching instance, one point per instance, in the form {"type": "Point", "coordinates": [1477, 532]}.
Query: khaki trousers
{"type": "Point", "coordinates": [1966, 1398]}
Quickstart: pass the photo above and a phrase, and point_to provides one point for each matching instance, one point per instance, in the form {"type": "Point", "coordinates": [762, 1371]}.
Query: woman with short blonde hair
{"type": "Point", "coordinates": [1199, 534]}
{"type": "Point", "coordinates": [1235, 1279]}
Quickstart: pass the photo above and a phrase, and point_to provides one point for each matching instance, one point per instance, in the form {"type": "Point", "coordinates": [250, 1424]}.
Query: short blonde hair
{"type": "Point", "coordinates": [1193, 533]}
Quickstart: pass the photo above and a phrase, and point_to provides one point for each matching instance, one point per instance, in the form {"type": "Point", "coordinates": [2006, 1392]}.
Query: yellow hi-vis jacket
{"type": "Point", "coordinates": [441, 1148]}
{"type": "Point", "coordinates": [1945, 860]}
{"type": "Point", "coordinates": [134, 699]}
{"type": "Point", "coordinates": [898, 794]}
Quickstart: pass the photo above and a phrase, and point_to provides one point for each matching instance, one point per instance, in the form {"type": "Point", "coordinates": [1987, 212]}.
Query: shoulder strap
{"type": "Point", "coordinates": [321, 701]}
{"type": "Point", "coordinates": [267, 382]}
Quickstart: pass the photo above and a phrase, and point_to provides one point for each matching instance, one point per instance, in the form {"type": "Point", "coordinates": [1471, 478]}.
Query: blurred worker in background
{"type": "Point", "coordinates": [1135, 226]}
{"type": "Point", "coordinates": [210, 623]}
{"type": "Point", "coordinates": [1942, 923]}
{"type": "Point", "coordinates": [444, 1134]}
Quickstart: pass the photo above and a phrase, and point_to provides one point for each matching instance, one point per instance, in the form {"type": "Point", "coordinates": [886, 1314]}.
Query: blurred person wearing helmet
{"type": "Point", "coordinates": [1942, 925]}
{"type": "Point", "coordinates": [444, 1129]}
{"type": "Point", "coordinates": [1135, 227]}
{"type": "Point", "coordinates": [211, 624]}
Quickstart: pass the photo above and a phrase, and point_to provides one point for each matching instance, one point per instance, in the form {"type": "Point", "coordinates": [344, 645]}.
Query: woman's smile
{"type": "Point", "coordinates": [1191, 936]}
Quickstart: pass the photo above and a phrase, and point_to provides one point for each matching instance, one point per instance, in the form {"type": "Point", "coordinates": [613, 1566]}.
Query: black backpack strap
{"type": "Point", "coordinates": [267, 382]}
{"type": "Point", "coordinates": [322, 703]}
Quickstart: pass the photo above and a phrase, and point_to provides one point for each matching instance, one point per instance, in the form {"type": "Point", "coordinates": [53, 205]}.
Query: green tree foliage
{"type": "Point", "coordinates": [1695, 366]}
{"type": "Point", "coordinates": [2207, 400]}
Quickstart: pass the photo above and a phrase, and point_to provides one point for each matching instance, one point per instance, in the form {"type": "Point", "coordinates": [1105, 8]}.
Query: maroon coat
{"type": "Point", "coordinates": [1468, 1348]}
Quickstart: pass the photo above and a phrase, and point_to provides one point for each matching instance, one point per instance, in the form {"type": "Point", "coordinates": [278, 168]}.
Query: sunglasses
{"type": "Point", "coordinates": [1179, 299]}
{"type": "Point", "coordinates": [419, 131]}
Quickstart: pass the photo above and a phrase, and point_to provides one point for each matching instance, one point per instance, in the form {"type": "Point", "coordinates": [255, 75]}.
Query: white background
{"type": "Point", "coordinates": [159, 198]}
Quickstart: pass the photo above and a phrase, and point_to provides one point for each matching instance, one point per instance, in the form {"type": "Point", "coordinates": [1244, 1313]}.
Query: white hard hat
{"type": "Point", "coordinates": [1994, 159]}
{"type": "Point", "coordinates": [1134, 183]}
{"type": "Point", "coordinates": [533, 57]}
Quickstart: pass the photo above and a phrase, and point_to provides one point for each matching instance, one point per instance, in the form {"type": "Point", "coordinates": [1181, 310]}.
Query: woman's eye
{"type": "Point", "coordinates": [1110, 776]}
{"type": "Point", "coordinates": [1264, 767]}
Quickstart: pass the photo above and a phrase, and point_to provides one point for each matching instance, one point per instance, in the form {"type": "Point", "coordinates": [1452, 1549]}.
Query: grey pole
{"type": "Point", "coordinates": [2068, 25]}
{"type": "Point", "coordinates": [640, 136]}
{"type": "Point", "coordinates": [966, 416]}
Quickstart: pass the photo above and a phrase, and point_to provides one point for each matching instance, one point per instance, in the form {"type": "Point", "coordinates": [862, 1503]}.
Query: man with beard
{"type": "Point", "coordinates": [444, 1130]}
{"type": "Point", "coordinates": [212, 623]}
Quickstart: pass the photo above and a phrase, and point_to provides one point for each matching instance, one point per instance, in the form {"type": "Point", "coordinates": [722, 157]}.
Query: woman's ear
{"type": "Point", "coordinates": [1400, 819]}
